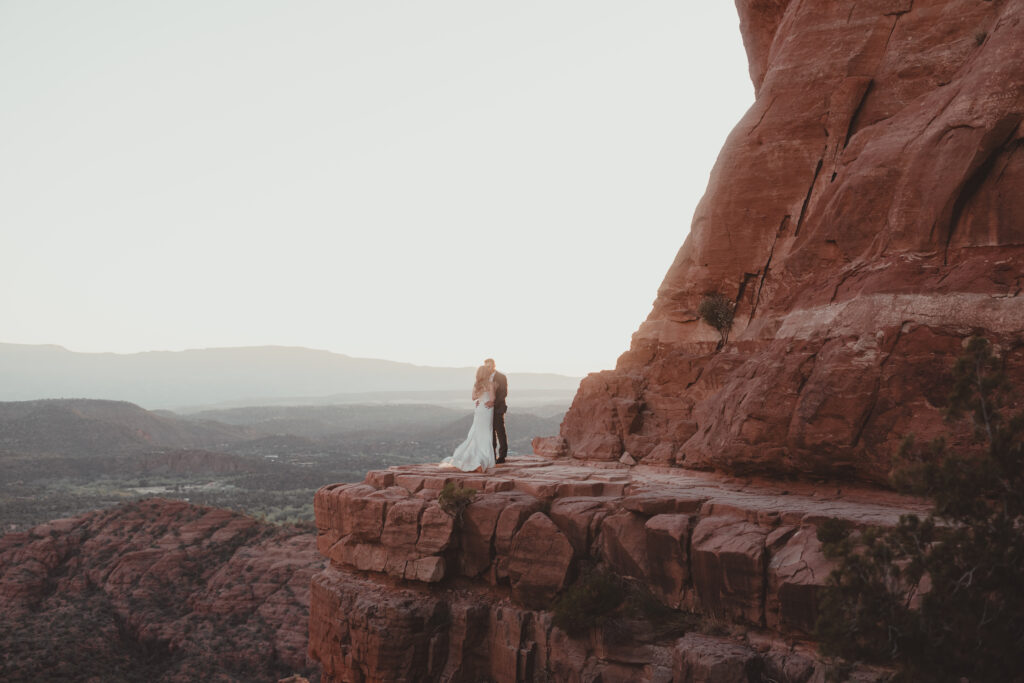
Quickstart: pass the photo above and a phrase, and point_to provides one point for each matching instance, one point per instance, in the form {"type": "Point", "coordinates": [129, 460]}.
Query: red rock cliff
{"type": "Point", "coordinates": [865, 216]}
{"type": "Point", "coordinates": [414, 594]}
{"type": "Point", "coordinates": [862, 217]}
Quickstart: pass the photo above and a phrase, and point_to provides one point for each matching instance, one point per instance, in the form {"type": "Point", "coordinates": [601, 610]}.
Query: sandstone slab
{"type": "Point", "coordinates": [704, 659]}
{"type": "Point", "coordinates": [540, 561]}
{"type": "Point", "coordinates": [728, 557]}
{"type": "Point", "coordinates": [742, 551]}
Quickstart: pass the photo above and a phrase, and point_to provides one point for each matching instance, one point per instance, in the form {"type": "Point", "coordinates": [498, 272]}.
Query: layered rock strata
{"type": "Point", "coordinates": [864, 217]}
{"type": "Point", "coordinates": [413, 593]}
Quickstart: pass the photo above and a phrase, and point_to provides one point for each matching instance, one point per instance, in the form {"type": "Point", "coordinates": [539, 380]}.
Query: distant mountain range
{"type": "Point", "coordinates": [245, 376]}
{"type": "Point", "coordinates": [87, 427]}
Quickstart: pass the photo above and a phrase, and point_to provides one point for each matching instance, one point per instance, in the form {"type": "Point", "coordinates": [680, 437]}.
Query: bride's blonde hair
{"type": "Point", "coordinates": [483, 378]}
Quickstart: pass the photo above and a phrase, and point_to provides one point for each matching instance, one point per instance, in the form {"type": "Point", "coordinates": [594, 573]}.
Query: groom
{"type": "Point", "coordinates": [500, 441]}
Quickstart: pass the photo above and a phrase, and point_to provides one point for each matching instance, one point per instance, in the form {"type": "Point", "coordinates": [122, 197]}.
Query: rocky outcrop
{"type": "Point", "coordinates": [156, 590]}
{"type": "Point", "coordinates": [864, 217]}
{"type": "Point", "coordinates": [413, 593]}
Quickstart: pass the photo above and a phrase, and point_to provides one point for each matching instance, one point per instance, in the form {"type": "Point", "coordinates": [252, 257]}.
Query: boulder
{"type": "Point", "coordinates": [668, 537]}
{"type": "Point", "coordinates": [539, 565]}
{"type": "Point", "coordinates": [705, 659]}
{"type": "Point", "coordinates": [402, 525]}
{"type": "Point", "coordinates": [476, 533]}
{"type": "Point", "coordinates": [580, 520]}
{"type": "Point", "coordinates": [512, 518]}
{"type": "Point", "coordinates": [436, 531]}
{"type": "Point", "coordinates": [797, 572]}
{"type": "Point", "coordinates": [728, 562]}
{"type": "Point", "coordinates": [624, 544]}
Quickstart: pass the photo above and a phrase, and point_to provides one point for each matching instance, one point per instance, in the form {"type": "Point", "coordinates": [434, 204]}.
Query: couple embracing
{"type": "Point", "coordinates": [487, 443]}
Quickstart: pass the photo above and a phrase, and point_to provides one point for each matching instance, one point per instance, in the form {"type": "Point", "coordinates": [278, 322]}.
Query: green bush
{"type": "Point", "coordinates": [941, 598]}
{"type": "Point", "coordinates": [454, 499]}
{"type": "Point", "coordinates": [665, 622]}
{"type": "Point", "coordinates": [717, 310]}
{"type": "Point", "coordinates": [588, 602]}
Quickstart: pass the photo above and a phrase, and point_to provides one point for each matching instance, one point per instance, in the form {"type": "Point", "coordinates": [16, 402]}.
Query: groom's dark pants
{"type": "Point", "coordinates": [500, 441]}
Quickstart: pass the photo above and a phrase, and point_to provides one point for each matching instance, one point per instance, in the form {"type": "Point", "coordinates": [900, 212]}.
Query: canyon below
{"type": "Point", "coordinates": [156, 590]}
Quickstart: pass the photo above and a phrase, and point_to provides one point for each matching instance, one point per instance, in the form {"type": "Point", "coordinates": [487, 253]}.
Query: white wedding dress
{"type": "Point", "coordinates": [477, 450]}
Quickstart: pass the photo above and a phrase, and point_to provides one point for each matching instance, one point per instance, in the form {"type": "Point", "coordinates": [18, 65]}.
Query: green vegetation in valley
{"type": "Point", "coordinates": [65, 458]}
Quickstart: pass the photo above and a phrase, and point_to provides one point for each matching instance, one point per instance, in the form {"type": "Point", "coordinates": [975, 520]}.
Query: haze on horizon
{"type": "Point", "coordinates": [430, 183]}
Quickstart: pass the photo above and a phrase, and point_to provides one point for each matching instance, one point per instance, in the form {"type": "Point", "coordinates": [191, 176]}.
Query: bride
{"type": "Point", "coordinates": [476, 453]}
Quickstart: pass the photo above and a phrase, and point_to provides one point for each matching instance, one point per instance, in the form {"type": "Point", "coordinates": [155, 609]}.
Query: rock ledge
{"type": "Point", "coordinates": [412, 593]}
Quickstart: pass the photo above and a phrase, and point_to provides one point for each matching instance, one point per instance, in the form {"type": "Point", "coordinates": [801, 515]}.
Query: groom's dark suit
{"type": "Point", "coordinates": [500, 408]}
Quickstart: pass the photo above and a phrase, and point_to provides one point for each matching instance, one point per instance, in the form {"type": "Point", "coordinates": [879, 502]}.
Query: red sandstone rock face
{"type": "Point", "coordinates": [156, 590]}
{"type": "Point", "coordinates": [865, 216]}
{"type": "Point", "coordinates": [413, 594]}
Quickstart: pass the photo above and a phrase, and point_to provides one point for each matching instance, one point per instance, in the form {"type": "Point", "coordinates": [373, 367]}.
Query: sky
{"type": "Point", "coordinates": [428, 182]}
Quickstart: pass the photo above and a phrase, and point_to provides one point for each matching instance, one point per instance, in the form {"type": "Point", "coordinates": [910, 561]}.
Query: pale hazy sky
{"type": "Point", "coordinates": [430, 182]}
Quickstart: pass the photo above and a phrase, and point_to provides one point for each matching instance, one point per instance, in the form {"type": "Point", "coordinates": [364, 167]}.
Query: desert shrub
{"type": "Point", "coordinates": [941, 597]}
{"type": "Point", "coordinates": [454, 499]}
{"type": "Point", "coordinates": [622, 609]}
{"type": "Point", "coordinates": [717, 310]}
{"type": "Point", "coordinates": [588, 602]}
{"type": "Point", "coordinates": [665, 622]}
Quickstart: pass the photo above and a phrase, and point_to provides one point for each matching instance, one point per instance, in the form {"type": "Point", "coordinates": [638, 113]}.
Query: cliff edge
{"type": "Point", "coordinates": [715, 579]}
{"type": "Point", "coordinates": [863, 220]}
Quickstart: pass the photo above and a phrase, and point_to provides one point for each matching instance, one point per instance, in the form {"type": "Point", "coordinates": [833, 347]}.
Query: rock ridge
{"type": "Point", "coordinates": [412, 593]}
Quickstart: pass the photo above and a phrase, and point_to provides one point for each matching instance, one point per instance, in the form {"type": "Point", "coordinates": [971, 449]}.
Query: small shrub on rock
{"type": "Point", "coordinates": [664, 621]}
{"type": "Point", "coordinates": [588, 602]}
{"type": "Point", "coordinates": [717, 310]}
{"type": "Point", "coordinates": [454, 499]}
